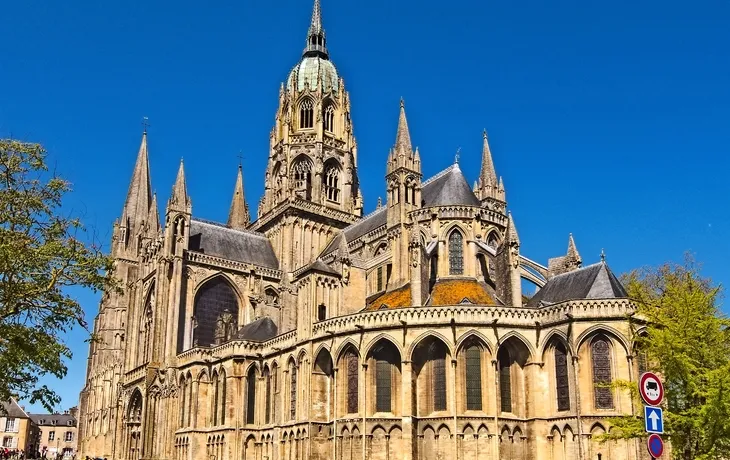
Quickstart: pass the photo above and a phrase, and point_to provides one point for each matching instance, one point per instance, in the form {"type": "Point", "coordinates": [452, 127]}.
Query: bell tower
{"type": "Point", "coordinates": [311, 186]}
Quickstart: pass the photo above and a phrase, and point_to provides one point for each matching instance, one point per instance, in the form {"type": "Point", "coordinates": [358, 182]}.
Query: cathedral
{"type": "Point", "coordinates": [316, 332]}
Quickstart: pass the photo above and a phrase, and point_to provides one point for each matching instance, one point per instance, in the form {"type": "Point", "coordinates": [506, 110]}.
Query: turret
{"type": "Point", "coordinates": [238, 216]}
{"type": "Point", "coordinates": [489, 189]}
{"type": "Point", "coordinates": [177, 216]}
{"type": "Point", "coordinates": [567, 263]}
{"type": "Point", "coordinates": [403, 174]}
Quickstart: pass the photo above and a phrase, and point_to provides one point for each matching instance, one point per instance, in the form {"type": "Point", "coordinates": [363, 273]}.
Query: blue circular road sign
{"type": "Point", "coordinates": [655, 445]}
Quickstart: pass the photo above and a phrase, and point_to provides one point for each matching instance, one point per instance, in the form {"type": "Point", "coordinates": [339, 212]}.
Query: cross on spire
{"type": "Point", "coordinates": [456, 157]}
{"type": "Point", "coordinates": [145, 124]}
{"type": "Point", "coordinates": [240, 158]}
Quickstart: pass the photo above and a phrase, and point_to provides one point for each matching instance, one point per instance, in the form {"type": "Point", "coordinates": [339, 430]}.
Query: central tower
{"type": "Point", "coordinates": [311, 185]}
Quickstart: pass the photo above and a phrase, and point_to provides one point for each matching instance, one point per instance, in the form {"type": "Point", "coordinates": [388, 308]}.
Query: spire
{"type": "Point", "coordinates": [316, 40]}
{"type": "Point", "coordinates": [403, 136]}
{"type": "Point", "coordinates": [238, 216]}
{"type": "Point", "coordinates": [153, 218]}
{"type": "Point", "coordinates": [180, 190]}
{"type": "Point", "coordinates": [572, 250]}
{"type": "Point", "coordinates": [488, 174]}
{"type": "Point", "coordinates": [512, 236]}
{"type": "Point", "coordinates": [137, 204]}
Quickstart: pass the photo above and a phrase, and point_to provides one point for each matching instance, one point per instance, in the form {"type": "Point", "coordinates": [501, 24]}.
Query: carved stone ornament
{"type": "Point", "coordinates": [345, 273]}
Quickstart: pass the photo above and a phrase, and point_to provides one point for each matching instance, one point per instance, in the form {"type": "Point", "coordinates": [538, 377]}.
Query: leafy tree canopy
{"type": "Point", "coordinates": [42, 253]}
{"type": "Point", "coordinates": [683, 336]}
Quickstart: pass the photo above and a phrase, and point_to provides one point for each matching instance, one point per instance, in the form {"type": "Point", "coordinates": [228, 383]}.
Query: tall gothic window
{"type": "Point", "coordinates": [275, 384]}
{"type": "Point", "coordinates": [379, 279]}
{"type": "Point", "coordinates": [329, 118]}
{"type": "Point", "coordinates": [306, 114]}
{"type": "Point", "coordinates": [215, 312]}
{"type": "Point", "coordinates": [251, 395]}
{"type": "Point", "coordinates": [352, 383]}
{"type": "Point", "coordinates": [183, 400]}
{"type": "Point", "coordinates": [601, 361]}
{"type": "Point", "coordinates": [456, 253]}
{"type": "Point", "coordinates": [473, 378]}
{"type": "Point", "coordinates": [439, 383]}
{"type": "Point", "coordinates": [332, 182]}
{"type": "Point", "coordinates": [293, 391]}
{"type": "Point", "coordinates": [302, 177]}
{"type": "Point", "coordinates": [267, 378]}
{"type": "Point", "coordinates": [505, 380]}
{"type": "Point", "coordinates": [562, 385]}
{"type": "Point", "coordinates": [382, 385]}
{"type": "Point", "coordinates": [214, 402]}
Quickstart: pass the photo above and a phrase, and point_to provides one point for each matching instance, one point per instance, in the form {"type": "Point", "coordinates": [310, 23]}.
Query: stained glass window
{"type": "Point", "coordinates": [306, 114]}
{"type": "Point", "coordinates": [382, 385]}
{"type": "Point", "coordinates": [601, 360]}
{"type": "Point", "coordinates": [473, 378]}
{"type": "Point", "coordinates": [380, 278]}
{"type": "Point", "coordinates": [251, 396]}
{"type": "Point", "coordinates": [293, 392]}
{"type": "Point", "coordinates": [505, 380]}
{"type": "Point", "coordinates": [216, 313]}
{"type": "Point", "coordinates": [456, 253]}
{"type": "Point", "coordinates": [352, 383]}
{"type": "Point", "coordinates": [561, 378]}
{"type": "Point", "coordinates": [439, 383]}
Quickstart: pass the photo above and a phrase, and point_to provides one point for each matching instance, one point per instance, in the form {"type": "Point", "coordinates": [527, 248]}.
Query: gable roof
{"type": "Point", "coordinates": [447, 188]}
{"type": "Point", "coordinates": [53, 419]}
{"type": "Point", "coordinates": [239, 245]}
{"type": "Point", "coordinates": [258, 331]}
{"type": "Point", "coordinates": [12, 409]}
{"type": "Point", "coordinates": [595, 281]}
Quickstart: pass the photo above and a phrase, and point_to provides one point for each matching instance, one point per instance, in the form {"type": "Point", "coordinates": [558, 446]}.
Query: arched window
{"type": "Point", "coordinates": [379, 281]}
{"type": "Point", "coordinates": [267, 380]}
{"type": "Point", "coordinates": [183, 400]}
{"type": "Point", "coordinates": [251, 395]}
{"type": "Point", "coordinates": [382, 385]}
{"type": "Point", "coordinates": [306, 114]}
{"type": "Point", "coordinates": [293, 390]}
{"type": "Point", "coordinates": [134, 422]}
{"type": "Point", "coordinates": [439, 376]}
{"type": "Point", "coordinates": [332, 182]}
{"type": "Point", "coordinates": [146, 326]}
{"type": "Point", "coordinates": [215, 312]}
{"type": "Point", "coordinates": [505, 380]}
{"type": "Point", "coordinates": [302, 178]}
{"type": "Point", "coordinates": [275, 384]}
{"type": "Point", "coordinates": [601, 361]}
{"type": "Point", "coordinates": [562, 384]}
{"type": "Point", "coordinates": [329, 118]}
{"type": "Point", "coordinates": [456, 253]}
{"type": "Point", "coordinates": [352, 382]}
{"type": "Point", "coordinates": [473, 378]}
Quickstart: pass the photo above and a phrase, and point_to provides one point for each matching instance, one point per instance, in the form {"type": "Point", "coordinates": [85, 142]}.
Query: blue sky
{"type": "Point", "coordinates": [606, 119]}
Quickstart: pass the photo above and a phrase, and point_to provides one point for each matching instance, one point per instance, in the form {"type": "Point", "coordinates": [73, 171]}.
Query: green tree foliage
{"type": "Point", "coordinates": [687, 341]}
{"type": "Point", "coordinates": [42, 254]}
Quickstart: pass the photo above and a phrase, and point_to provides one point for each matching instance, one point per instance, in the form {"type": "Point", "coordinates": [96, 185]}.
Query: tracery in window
{"type": "Point", "coordinates": [505, 380]}
{"type": "Point", "coordinates": [352, 382]}
{"type": "Point", "coordinates": [251, 395]}
{"type": "Point", "coordinates": [601, 362]}
{"type": "Point", "coordinates": [473, 377]}
{"type": "Point", "coordinates": [306, 114]}
{"type": "Point", "coordinates": [302, 178]}
{"type": "Point", "coordinates": [215, 313]}
{"type": "Point", "coordinates": [293, 390]}
{"type": "Point", "coordinates": [456, 253]}
{"type": "Point", "coordinates": [329, 118]}
{"type": "Point", "coordinates": [385, 361]}
{"type": "Point", "coordinates": [562, 384]}
{"type": "Point", "coordinates": [332, 181]}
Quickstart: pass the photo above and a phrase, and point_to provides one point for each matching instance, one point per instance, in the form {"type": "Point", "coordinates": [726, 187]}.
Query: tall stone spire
{"type": "Point", "coordinates": [316, 40]}
{"type": "Point", "coordinates": [403, 136]}
{"type": "Point", "coordinates": [512, 236]}
{"type": "Point", "coordinates": [137, 205]}
{"type": "Point", "coordinates": [488, 174]}
{"type": "Point", "coordinates": [572, 250]}
{"type": "Point", "coordinates": [238, 216]}
{"type": "Point", "coordinates": [490, 190]}
{"type": "Point", "coordinates": [153, 218]}
{"type": "Point", "coordinates": [179, 190]}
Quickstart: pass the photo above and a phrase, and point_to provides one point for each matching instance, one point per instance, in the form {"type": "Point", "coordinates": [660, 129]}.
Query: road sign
{"type": "Point", "coordinates": [655, 445]}
{"type": "Point", "coordinates": [653, 420]}
{"type": "Point", "coordinates": [651, 389]}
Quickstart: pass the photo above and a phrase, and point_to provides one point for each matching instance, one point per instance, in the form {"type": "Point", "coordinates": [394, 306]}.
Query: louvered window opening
{"type": "Point", "coordinates": [473, 379]}
{"type": "Point", "coordinates": [352, 383]}
{"type": "Point", "coordinates": [561, 378]}
{"type": "Point", "coordinates": [382, 385]}
{"type": "Point", "coordinates": [601, 360]}
{"type": "Point", "coordinates": [456, 254]}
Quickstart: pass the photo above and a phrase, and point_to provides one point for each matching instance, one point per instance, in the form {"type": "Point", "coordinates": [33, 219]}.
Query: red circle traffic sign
{"type": "Point", "coordinates": [655, 445]}
{"type": "Point", "coordinates": [651, 389]}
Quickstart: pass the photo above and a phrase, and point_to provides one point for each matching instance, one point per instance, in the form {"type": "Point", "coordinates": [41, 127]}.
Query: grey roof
{"type": "Point", "coordinates": [258, 331]}
{"type": "Point", "coordinates": [53, 419]}
{"type": "Point", "coordinates": [448, 187]}
{"type": "Point", "coordinates": [595, 281]}
{"type": "Point", "coordinates": [360, 228]}
{"type": "Point", "coordinates": [12, 409]}
{"type": "Point", "coordinates": [239, 245]}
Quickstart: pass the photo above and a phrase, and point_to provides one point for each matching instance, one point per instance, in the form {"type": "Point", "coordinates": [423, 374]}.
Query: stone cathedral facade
{"type": "Point", "coordinates": [314, 332]}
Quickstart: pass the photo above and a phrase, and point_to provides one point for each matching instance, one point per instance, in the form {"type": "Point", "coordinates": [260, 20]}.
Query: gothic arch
{"type": "Point", "coordinates": [446, 231]}
{"type": "Point", "coordinates": [202, 376]}
{"type": "Point", "coordinates": [555, 334]}
{"type": "Point", "coordinates": [517, 336]}
{"type": "Point", "coordinates": [554, 429]}
{"type": "Point", "coordinates": [301, 175]}
{"type": "Point", "coordinates": [332, 180]}
{"type": "Point", "coordinates": [343, 348]}
{"type": "Point", "coordinates": [425, 336]}
{"type": "Point", "coordinates": [382, 336]}
{"type": "Point", "coordinates": [323, 346]}
{"type": "Point", "coordinates": [474, 334]}
{"type": "Point", "coordinates": [223, 275]}
{"type": "Point", "coordinates": [219, 299]}
{"type": "Point", "coordinates": [605, 330]}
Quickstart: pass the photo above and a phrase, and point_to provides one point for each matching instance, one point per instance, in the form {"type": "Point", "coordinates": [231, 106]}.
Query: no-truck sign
{"type": "Point", "coordinates": [651, 389]}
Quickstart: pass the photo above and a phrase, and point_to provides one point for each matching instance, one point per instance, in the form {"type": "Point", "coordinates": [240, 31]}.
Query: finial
{"type": "Point", "coordinates": [380, 202]}
{"type": "Point", "coordinates": [603, 256]}
{"type": "Point", "coordinates": [402, 103]}
{"type": "Point", "coordinates": [145, 124]}
{"type": "Point", "coordinates": [240, 159]}
{"type": "Point", "coordinates": [456, 157]}
{"type": "Point", "coordinates": [484, 134]}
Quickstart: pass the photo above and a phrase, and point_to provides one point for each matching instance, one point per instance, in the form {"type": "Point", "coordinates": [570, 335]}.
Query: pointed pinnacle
{"type": "Point", "coordinates": [153, 219]}
{"type": "Point", "coordinates": [403, 136]}
{"type": "Point", "coordinates": [179, 190]}
{"type": "Point", "coordinates": [139, 195]}
{"type": "Point", "coordinates": [487, 174]}
{"type": "Point", "coordinates": [512, 236]}
{"type": "Point", "coordinates": [315, 26]}
{"type": "Point", "coordinates": [238, 216]}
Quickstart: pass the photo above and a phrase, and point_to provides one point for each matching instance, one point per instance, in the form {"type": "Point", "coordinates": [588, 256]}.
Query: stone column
{"type": "Point", "coordinates": [407, 408]}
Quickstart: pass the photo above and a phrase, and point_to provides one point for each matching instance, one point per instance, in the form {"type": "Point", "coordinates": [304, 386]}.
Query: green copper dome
{"type": "Point", "coordinates": [309, 69]}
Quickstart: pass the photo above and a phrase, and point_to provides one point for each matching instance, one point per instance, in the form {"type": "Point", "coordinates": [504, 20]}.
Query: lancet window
{"type": "Point", "coordinates": [332, 182]}
{"type": "Point", "coordinates": [329, 118]}
{"type": "Point", "coordinates": [456, 253]}
{"type": "Point", "coordinates": [352, 383]}
{"type": "Point", "coordinates": [251, 395]}
{"type": "Point", "coordinates": [505, 380]}
{"type": "Point", "coordinates": [306, 114]}
{"type": "Point", "coordinates": [473, 378]}
{"type": "Point", "coordinates": [601, 362]}
{"type": "Point", "coordinates": [302, 178]}
{"type": "Point", "coordinates": [293, 390]}
{"type": "Point", "coordinates": [562, 383]}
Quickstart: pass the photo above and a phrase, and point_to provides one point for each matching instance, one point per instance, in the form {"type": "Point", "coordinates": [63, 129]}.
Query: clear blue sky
{"type": "Point", "coordinates": [606, 119]}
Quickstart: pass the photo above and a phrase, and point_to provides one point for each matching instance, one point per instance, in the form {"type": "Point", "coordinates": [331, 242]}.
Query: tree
{"type": "Point", "coordinates": [687, 341]}
{"type": "Point", "coordinates": [42, 254]}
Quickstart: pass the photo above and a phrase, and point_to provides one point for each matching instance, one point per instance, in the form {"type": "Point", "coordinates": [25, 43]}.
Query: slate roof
{"type": "Point", "coordinates": [595, 281]}
{"type": "Point", "coordinates": [239, 245]}
{"type": "Point", "coordinates": [12, 409]}
{"type": "Point", "coordinates": [260, 330]}
{"type": "Point", "coordinates": [320, 266]}
{"type": "Point", "coordinates": [449, 187]}
{"type": "Point", "coordinates": [53, 419]}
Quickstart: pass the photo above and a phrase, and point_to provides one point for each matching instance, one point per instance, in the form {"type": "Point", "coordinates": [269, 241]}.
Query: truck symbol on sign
{"type": "Point", "coordinates": [652, 388]}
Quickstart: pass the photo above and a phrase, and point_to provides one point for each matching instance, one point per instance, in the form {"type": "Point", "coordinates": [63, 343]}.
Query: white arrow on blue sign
{"type": "Point", "coordinates": [653, 420]}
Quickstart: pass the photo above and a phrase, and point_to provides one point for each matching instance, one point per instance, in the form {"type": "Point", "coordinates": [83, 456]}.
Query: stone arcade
{"type": "Point", "coordinates": [315, 332]}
